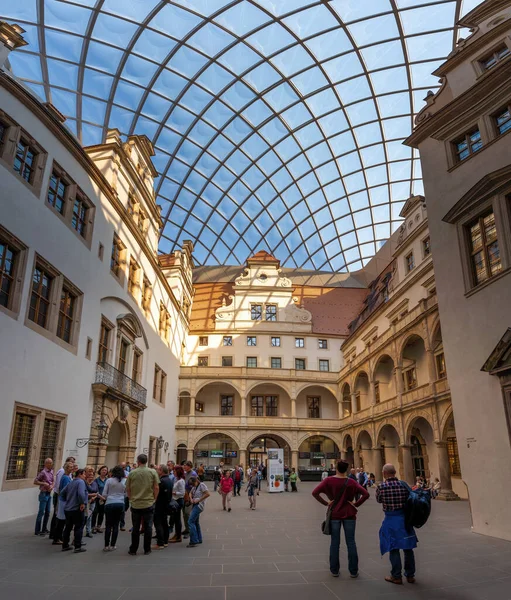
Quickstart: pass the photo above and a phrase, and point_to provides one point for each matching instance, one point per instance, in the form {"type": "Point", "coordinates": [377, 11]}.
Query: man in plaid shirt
{"type": "Point", "coordinates": [392, 494]}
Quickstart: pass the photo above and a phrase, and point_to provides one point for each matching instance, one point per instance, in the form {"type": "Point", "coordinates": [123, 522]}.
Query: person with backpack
{"type": "Point", "coordinates": [341, 491]}
{"type": "Point", "coordinates": [393, 495]}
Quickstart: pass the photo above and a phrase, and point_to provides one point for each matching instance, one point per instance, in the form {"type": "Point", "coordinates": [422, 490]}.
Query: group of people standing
{"type": "Point", "coordinates": [345, 495]}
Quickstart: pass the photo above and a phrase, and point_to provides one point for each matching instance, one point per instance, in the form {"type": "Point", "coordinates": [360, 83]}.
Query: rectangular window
{"type": "Point", "coordinates": [256, 312]}
{"type": "Point", "coordinates": [257, 406]}
{"type": "Point", "coordinates": [299, 342]}
{"type": "Point", "coordinates": [226, 361]}
{"type": "Point", "coordinates": [252, 362]}
{"type": "Point", "coordinates": [272, 408]}
{"type": "Point", "coordinates": [57, 192]}
{"type": "Point", "coordinates": [199, 407]}
{"type": "Point", "coordinates": [313, 403]}
{"type": "Point", "coordinates": [410, 379]}
{"type": "Point", "coordinates": [123, 356]}
{"type": "Point", "coordinates": [115, 259]}
{"type": "Point", "coordinates": [275, 342]}
{"type": "Point", "coordinates": [49, 442]}
{"type": "Point", "coordinates": [147, 294]}
{"type": "Point", "coordinates": [323, 344]}
{"type": "Point", "coordinates": [163, 387]}
{"type": "Point", "coordinates": [104, 339]}
{"type": "Point", "coordinates": [133, 277]}
{"type": "Point", "coordinates": [203, 361]}
{"type": "Point", "coordinates": [136, 371]}
{"type": "Point", "coordinates": [164, 322]}
{"type": "Point", "coordinates": [80, 215]}
{"type": "Point", "coordinates": [484, 248]}
{"type": "Point", "coordinates": [300, 364]}
{"type": "Point", "coordinates": [503, 120]}
{"type": "Point", "coordinates": [271, 312]}
{"type": "Point", "coordinates": [496, 56]}
{"type": "Point", "coordinates": [66, 314]}
{"type": "Point", "coordinates": [24, 161]}
{"type": "Point", "coordinates": [227, 406]}
{"type": "Point", "coordinates": [324, 365]}
{"type": "Point", "coordinates": [40, 296]}
{"type": "Point", "coordinates": [227, 340]}
{"type": "Point", "coordinates": [440, 365]}
{"type": "Point", "coordinates": [467, 144]}
{"type": "Point", "coordinates": [8, 259]}
{"type": "Point", "coordinates": [377, 392]}
{"type": "Point", "coordinates": [276, 362]}
{"type": "Point", "coordinates": [141, 224]}
{"type": "Point", "coordinates": [203, 340]}
{"type": "Point", "coordinates": [251, 340]}
{"type": "Point", "coordinates": [426, 247]}
{"type": "Point", "coordinates": [358, 405]}
{"type": "Point", "coordinates": [21, 446]}
{"type": "Point", "coordinates": [157, 383]}
{"type": "Point", "coordinates": [452, 453]}
{"type": "Point", "coordinates": [409, 262]}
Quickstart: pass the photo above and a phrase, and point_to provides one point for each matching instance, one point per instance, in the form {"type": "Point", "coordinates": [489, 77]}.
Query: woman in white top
{"type": "Point", "coordinates": [113, 493]}
{"type": "Point", "coordinates": [178, 494]}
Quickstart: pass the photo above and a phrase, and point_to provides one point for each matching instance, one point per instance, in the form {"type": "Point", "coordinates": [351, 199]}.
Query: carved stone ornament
{"type": "Point", "coordinates": [124, 412]}
{"type": "Point", "coordinates": [243, 278]}
{"type": "Point", "coordinates": [284, 282]}
{"type": "Point", "coordinates": [226, 311]}
{"type": "Point", "coordinates": [297, 314]}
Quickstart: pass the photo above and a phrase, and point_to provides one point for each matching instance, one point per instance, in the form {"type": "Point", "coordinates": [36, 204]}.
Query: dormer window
{"type": "Point", "coordinates": [489, 61]}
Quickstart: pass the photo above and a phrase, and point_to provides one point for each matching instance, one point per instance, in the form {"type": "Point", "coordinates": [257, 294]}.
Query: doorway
{"type": "Point", "coordinates": [114, 444]}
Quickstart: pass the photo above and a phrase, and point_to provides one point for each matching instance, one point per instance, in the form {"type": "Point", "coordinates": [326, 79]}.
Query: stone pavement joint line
{"type": "Point", "coordinates": [272, 553]}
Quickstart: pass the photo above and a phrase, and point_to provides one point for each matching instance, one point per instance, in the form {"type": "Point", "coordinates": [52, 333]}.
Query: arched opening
{"type": "Point", "coordinates": [348, 448]}
{"type": "Point", "coordinates": [184, 404]}
{"type": "Point", "coordinates": [116, 439]}
{"type": "Point", "coordinates": [361, 391]}
{"type": "Point", "coordinates": [388, 443]}
{"type": "Point", "coordinates": [364, 451]}
{"type": "Point", "coordinates": [452, 448]}
{"type": "Point", "coordinates": [316, 402]}
{"type": "Point", "coordinates": [314, 455]}
{"type": "Point", "coordinates": [384, 383]}
{"type": "Point", "coordinates": [258, 449]}
{"type": "Point", "coordinates": [415, 369]}
{"type": "Point", "coordinates": [181, 453]}
{"type": "Point", "coordinates": [346, 401]}
{"type": "Point", "coordinates": [216, 448]}
{"type": "Point", "coordinates": [268, 400]}
{"type": "Point", "coordinates": [423, 448]}
{"type": "Point", "coordinates": [218, 399]}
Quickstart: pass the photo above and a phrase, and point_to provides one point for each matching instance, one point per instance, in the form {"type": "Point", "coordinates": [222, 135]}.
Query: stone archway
{"type": "Point", "coordinates": [116, 441]}
{"type": "Point", "coordinates": [258, 445]}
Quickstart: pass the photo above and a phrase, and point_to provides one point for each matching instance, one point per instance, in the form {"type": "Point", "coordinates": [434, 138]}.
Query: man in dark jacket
{"type": "Point", "coordinates": [161, 507]}
{"type": "Point", "coordinates": [237, 477]}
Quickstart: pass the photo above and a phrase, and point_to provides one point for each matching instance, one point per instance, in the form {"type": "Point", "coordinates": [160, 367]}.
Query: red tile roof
{"type": "Point", "coordinates": [263, 256]}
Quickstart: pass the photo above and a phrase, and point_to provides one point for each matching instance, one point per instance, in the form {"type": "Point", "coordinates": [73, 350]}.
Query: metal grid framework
{"type": "Point", "coordinates": [278, 124]}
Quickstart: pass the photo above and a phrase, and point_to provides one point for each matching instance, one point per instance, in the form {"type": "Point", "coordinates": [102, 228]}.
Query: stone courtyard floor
{"type": "Point", "coordinates": [276, 552]}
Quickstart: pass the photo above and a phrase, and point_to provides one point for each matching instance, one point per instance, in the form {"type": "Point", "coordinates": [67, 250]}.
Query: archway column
{"type": "Point", "coordinates": [192, 406]}
{"type": "Point", "coordinates": [444, 473]}
{"type": "Point", "coordinates": [243, 407]}
{"type": "Point", "coordinates": [372, 394]}
{"type": "Point", "coordinates": [376, 463]}
{"type": "Point", "coordinates": [353, 403]}
{"type": "Point", "coordinates": [340, 409]}
{"type": "Point", "coordinates": [406, 454]}
{"type": "Point", "coordinates": [294, 459]}
{"type": "Point", "coordinates": [243, 458]}
{"type": "Point", "coordinates": [431, 368]}
{"type": "Point", "coordinates": [293, 408]}
{"type": "Point", "coordinates": [344, 455]}
{"type": "Point", "coordinates": [189, 454]}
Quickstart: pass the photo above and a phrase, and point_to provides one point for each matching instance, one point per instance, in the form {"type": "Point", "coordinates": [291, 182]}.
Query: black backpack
{"type": "Point", "coordinates": [417, 508]}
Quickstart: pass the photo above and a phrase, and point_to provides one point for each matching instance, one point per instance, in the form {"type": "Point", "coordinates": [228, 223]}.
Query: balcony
{"type": "Point", "coordinates": [112, 382]}
{"type": "Point", "coordinates": [216, 372]}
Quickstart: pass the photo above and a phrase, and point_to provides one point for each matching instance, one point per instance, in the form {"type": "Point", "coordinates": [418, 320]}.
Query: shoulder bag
{"type": "Point", "coordinates": [325, 526]}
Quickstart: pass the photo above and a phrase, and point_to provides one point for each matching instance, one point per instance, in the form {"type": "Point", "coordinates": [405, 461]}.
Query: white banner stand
{"type": "Point", "coordinates": [276, 470]}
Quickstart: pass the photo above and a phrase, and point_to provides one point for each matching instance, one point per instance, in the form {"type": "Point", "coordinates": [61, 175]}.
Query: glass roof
{"type": "Point", "coordinates": [277, 124]}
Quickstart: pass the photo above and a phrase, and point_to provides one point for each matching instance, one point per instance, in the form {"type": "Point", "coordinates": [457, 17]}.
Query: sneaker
{"type": "Point", "coordinates": [396, 580]}
{"type": "Point", "coordinates": [156, 547]}
{"type": "Point", "coordinates": [46, 532]}
{"type": "Point", "coordinates": [354, 575]}
{"type": "Point", "coordinates": [132, 553]}
{"type": "Point", "coordinates": [106, 549]}
{"type": "Point", "coordinates": [79, 550]}
{"type": "Point", "coordinates": [192, 545]}
{"type": "Point", "coordinates": [123, 528]}
{"type": "Point", "coordinates": [89, 535]}
{"type": "Point", "coordinates": [147, 552]}
{"type": "Point", "coordinates": [335, 574]}
{"type": "Point", "coordinates": [112, 548]}
{"type": "Point", "coordinates": [65, 548]}
{"type": "Point", "coordinates": [228, 510]}
{"type": "Point", "coordinates": [175, 541]}
{"type": "Point", "coordinates": [185, 536]}
{"type": "Point", "coordinates": [56, 543]}
{"type": "Point", "coordinates": [410, 579]}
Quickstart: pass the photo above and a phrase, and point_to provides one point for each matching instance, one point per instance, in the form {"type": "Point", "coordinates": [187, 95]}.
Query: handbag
{"type": "Point", "coordinates": [173, 506]}
{"type": "Point", "coordinates": [325, 526]}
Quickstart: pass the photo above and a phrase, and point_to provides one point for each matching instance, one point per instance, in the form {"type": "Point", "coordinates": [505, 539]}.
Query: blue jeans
{"type": "Point", "coordinates": [335, 542]}
{"type": "Point", "coordinates": [44, 511]}
{"type": "Point", "coordinates": [194, 525]}
{"type": "Point", "coordinates": [395, 561]}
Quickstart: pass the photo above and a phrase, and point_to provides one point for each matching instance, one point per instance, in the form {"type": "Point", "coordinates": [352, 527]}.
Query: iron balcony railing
{"type": "Point", "coordinates": [112, 378]}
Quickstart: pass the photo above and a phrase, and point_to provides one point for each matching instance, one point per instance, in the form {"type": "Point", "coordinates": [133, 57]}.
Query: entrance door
{"type": "Point", "coordinates": [114, 441]}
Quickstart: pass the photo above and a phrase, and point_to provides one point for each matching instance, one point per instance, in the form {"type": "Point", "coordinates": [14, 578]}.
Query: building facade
{"type": "Point", "coordinates": [463, 138]}
{"type": "Point", "coordinates": [394, 391]}
{"type": "Point", "coordinates": [92, 322]}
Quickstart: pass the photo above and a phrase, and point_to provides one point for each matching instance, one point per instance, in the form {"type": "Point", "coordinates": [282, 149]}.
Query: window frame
{"type": "Point", "coordinates": [494, 117]}
{"type": "Point", "coordinates": [466, 138]}
{"type": "Point", "coordinates": [250, 344]}
{"type": "Point", "coordinates": [440, 358]}
{"type": "Point", "coordinates": [271, 405]}
{"type": "Point", "coordinates": [493, 53]}
{"type": "Point", "coordinates": [324, 360]}
{"type": "Point", "coordinates": [204, 360]}
{"type": "Point", "coordinates": [108, 327]}
{"type": "Point", "coordinates": [304, 360]}
{"type": "Point", "coordinates": [272, 358]}
{"type": "Point", "coordinates": [320, 341]}
{"type": "Point", "coordinates": [316, 408]}
{"type": "Point", "coordinates": [483, 248]}
{"type": "Point", "coordinates": [40, 414]}
{"type": "Point", "coordinates": [426, 247]}
{"type": "Point", "coordinates": [137, 365]}
{"type": "Point", "coordinates": [118, 262]}
{"type": "Point", "coordinates": [259, 407]}
{"type": "Point", "coordinates": [231, 359]}
{"type": "Point", "coordinates": [19, 261]}
{"type": "Point", "coordinates": [146, 295]}
{"type": "Point", "coordinates": [253, 311]}
{"type": "Point", "coordinates": [229, 344]}
{"type": "Point", "coordinates": [272, 314]}
{"type": "Point", "coordinates": [203, 341]}
{"type": "Point", "coordinates": [407, 384]}
{"type": "Point", "coordinates": [275, 337]}
{"type": "Point", "coordinates": [254, 358]}
{"type": "Point", "coordinates": [299, 344]}
{"type": "Point", "coordinates": [229, 407]}
{"type": "Point", "coordinates": [409, 262]}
